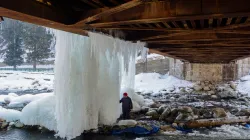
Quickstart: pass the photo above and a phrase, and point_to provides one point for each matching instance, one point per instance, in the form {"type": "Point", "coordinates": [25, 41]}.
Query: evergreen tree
{"type": "Point", "coordinates": [38, 42]}
{"type": "Point", "coordinates": [12, 32]}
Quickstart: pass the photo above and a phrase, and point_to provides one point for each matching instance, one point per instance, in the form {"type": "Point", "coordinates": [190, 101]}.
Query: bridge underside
{"type": "Point", "coordinates": [198, 31]}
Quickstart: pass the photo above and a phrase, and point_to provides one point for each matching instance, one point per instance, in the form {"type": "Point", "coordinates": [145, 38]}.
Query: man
{"type": "Point", "coordinates": [126, 106]}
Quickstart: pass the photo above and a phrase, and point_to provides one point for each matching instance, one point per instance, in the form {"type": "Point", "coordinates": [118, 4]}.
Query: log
{"type": "Point", "coordinates": [217, 122]}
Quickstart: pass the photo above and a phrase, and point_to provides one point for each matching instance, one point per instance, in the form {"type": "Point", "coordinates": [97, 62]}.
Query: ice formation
{"type": "Point", "coordinates": [88, 77]}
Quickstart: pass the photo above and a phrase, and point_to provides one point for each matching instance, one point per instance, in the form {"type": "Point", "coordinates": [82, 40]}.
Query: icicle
{"type": "Point", "coordinates": [88, 77]}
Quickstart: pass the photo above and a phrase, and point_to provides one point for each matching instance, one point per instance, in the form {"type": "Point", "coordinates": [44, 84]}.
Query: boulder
{"type": "Point", "coordinates": [161, 109]}
{"type": "Point", "coordinates": [171, 117]}
{"type": "Point", "coordinates": [228, 93]}
{"type": "Point", "coordinates": [155, 105]}
{"type": "Point", "coordinates": [197, 88]}
{"type": "Point", "coordinates": [153, 114]}
{"type": "Point", "coordinates": [206, 88]}
{"type": "Point", "coordinates": [219, 113]}
{"type": "Point", "coordinates": [4, 125]}
{"type": "Point", "coordinates": [186, 109]}
{"type": "Point", "coordinates": [211, 92]}
{"type": "Point", "coordinates": [185, 117]}
{"type": "Point", "coordinates": [144, 109]}
{"type": "Point", "coordinates": [19, 124]}
{"type": "Point", "coordinates": [214, 97]}
{"type": "Point", "coordinates": [127, 122]}
{"type": "Point", "coordinates": [243, 112]}
{"type": "Point", "coordinates": [233, 85]}
{"type": "Point", "coordinates": [165, 113]}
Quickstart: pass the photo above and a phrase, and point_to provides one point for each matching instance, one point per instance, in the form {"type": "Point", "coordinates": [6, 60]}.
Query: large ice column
{"type": "Point", "coordinates": [88, 76]}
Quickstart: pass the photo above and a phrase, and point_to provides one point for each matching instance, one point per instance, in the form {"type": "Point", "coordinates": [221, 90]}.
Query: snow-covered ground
{"type": "Point", "coordinates": [21, 81]}
{"type": "Point", "coordinates": [244, 85]}
{"type": "Point", "coordinates": [30, 66]}
{"type": "Point", "coordinates": [155, 83]}
{"type": "Point", "coordinates": [39, 109]}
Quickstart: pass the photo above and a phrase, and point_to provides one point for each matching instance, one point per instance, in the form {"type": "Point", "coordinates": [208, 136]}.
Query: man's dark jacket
{"type": "Point", "coordinates": [126, 103]}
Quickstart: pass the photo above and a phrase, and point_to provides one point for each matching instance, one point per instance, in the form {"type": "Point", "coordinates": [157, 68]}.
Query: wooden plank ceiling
{"type": "Point", "coordinates": [198, 31]}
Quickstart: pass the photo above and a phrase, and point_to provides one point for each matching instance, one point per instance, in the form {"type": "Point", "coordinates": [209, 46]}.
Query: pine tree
{"type": "Point", "coordinates": [38, 42]}
{"type": "Point", "coordinates": [12, 34]}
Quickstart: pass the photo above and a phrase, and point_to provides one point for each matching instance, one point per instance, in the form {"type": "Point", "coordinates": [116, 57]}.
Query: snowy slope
{"type": "Point", "coordinates": [153, 83]}
{"type": "Point", "coordinates": [13, 80]}
{"type": "Point", "coordinates": [244, 85]}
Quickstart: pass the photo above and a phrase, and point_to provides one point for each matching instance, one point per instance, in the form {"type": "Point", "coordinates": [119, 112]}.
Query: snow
{"type": "Point", "coordinates": [9, 114]}
{"type": "Point", "coordinates": [20, 101]}
{"type": "Point", "coordinates": [226, 131]}
{"type": "Point", "coordinates": [30, 66]}
{"type": "Point", "coordinates": [245, 78]}
{"type": "Point", "coordinates": [150, 57]}
{"type": "Point", "coordinates": [13, 80]}
{"type": "Point", "coordinates": [93, 69]}
{"type": "Point", "coordinates": [244, 85]}
{"type": "Point", "coordinates": [154, 83]}
{"type": "Point", "coordinates": [40, 112]}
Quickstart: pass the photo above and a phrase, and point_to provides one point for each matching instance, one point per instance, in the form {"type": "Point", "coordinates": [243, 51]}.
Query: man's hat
{"type": "Point", "coordinates": [125, 94]}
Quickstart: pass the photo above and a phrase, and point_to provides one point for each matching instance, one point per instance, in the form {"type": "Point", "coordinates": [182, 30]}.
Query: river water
{"type": "Point", "coordinates": [22, 134]}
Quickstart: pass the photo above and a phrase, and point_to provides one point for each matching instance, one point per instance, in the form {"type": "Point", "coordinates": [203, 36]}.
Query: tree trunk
{"type": "Point", "coordinates": [34, 65]}
{"type": "Point", "coordinates": [217, 122]}
{"type": "Point", "coordinates": [14, 67]}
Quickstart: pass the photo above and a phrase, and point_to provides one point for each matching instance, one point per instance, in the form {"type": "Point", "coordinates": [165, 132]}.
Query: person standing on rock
{"type": "Point", "coordinates": [127, 105]}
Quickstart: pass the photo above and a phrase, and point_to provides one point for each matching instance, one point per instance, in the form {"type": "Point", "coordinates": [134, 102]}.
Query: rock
{"type": "Point", "coordinates": [172, 98]}
{"type": "Point", "coordinates": [161, 109]}
{"type": "Point", "coordinates": [144, 109]}
{"type": "Point", "coordinates": [185, 117]}
{"type": "Point", "coordinates": [214, 97]}
{"type": "Point", "coordinates": [182, 99]}
{"type": "Point", "coordinates": [197, 88]}
{"type": "Point", "coordinates": [228, 93]}
{"type": "Point", "coordinates": [206, 88]}
{"type": "Point", "coordinates": [127, 122]}
{"type": "Point", "coordinates": [211, 92]}
{"type": "Point", "coordinates": [165, 113]}
{"type": "Point", "coordinates": [167, 128]}
{"type": "Point", "coordinates": [171, 117]}
{"type": "Point", "coordinates": [19, 124]}
{"type": "Point", "coordinates": [186, 109]}
{"type": "Point", "coordinates": [219, 113]}
{"type": "Point", "coordinates": [171, 89]}
{"type": "Point", "coordinates": [153, 114]}
{"type": "Point", "coordinates": [174, 125]}
{"type": "Point", "coordinates": [233, 85]}
{"type": "Point", "coordinates": [243, 112]}
{"type": "Point", "coordinates": [4, 125]}
{"type": "Point", "coordinates": [7, 100]}
{"type": "Point", "coordinates": [155, 105]}
{"type": "Point", "coordinates": [11, 123]}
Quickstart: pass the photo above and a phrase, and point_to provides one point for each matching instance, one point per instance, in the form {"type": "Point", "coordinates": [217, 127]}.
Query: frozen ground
{"type": "Point", "coordinates": [14, 81]}
{"type": "Point", "coordinates": [30, 66]}
{"type": "Point", "coordinates": [39, 108]}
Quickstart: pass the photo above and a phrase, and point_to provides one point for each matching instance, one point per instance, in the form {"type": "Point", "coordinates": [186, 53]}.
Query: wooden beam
{"type": "Point", "coordinates": [164, 36]}
{"type": "Point", "coordinates": [40, 21]}
{"type": "Point", "coordinates": [114, 10]}
{"type": "Point", "coordinates": [168, 19]}
{"type": "Point", "coordinates": [193, 40]}
{"type": "Point", "coordinates": [90, 3]}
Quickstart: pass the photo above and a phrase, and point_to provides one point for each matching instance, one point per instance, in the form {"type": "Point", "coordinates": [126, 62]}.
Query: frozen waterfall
{"type": "Point", "coordinates": [89, 73]}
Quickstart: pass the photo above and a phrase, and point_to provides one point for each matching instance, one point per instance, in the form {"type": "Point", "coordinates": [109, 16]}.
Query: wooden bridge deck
{"type": "Point", "coordinates": [198, 31]}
